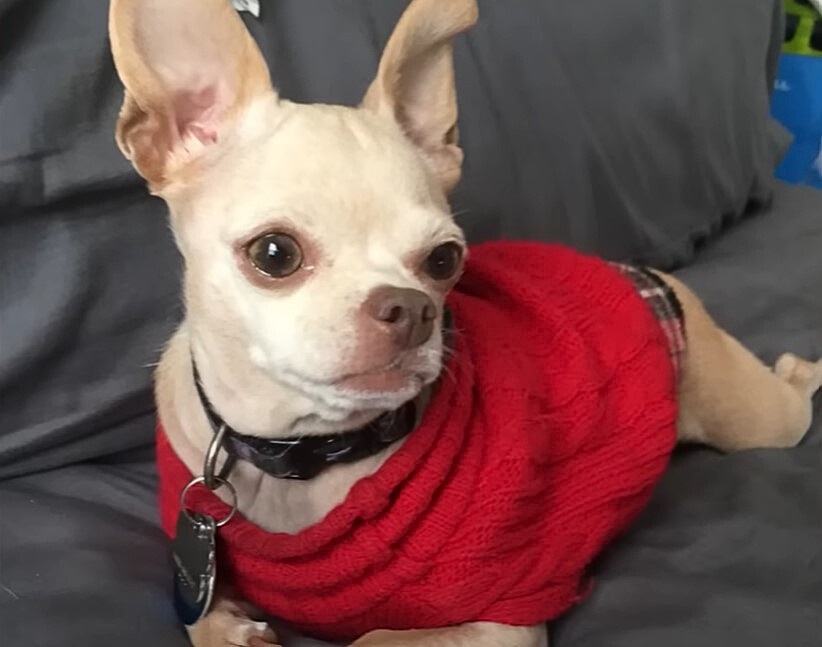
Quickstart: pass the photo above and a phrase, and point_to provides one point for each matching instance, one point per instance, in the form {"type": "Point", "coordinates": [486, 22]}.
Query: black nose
{"type": "Point", "coordinates": [407, 315]}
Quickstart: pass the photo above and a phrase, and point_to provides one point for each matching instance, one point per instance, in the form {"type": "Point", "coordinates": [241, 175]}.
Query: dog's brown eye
{"type": "Point", "coordinates": [276, 255]}
{"type": "Point", "coordinates": [443, 262]}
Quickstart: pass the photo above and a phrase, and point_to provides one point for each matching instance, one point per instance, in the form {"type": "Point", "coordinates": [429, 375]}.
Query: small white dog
{"type": "Point", "coordinates": [319, 251]}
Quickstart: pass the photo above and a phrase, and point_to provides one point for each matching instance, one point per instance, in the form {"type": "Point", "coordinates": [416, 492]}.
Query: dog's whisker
{"type": "Point", "coordinates": [448, 352]}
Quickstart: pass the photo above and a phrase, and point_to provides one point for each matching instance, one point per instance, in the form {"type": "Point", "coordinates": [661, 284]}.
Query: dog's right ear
{"type": "Point", "coordinates": [189, 68]}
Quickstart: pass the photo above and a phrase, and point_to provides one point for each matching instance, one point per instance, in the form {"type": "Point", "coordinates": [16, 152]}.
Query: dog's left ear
{"type": "Point", "coordinates": [415, 82]}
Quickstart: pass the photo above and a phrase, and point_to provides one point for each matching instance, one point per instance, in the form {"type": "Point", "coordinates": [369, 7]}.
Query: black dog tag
{"type": "Point", "coordinates": [195, 559]}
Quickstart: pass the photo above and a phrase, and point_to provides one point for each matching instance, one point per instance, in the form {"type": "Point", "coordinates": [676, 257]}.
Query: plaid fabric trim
{"type": "Point", "coordinates": [665, 306]}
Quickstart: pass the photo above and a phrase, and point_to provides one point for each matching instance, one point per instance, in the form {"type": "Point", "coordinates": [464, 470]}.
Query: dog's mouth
{"type": "Point", "coordinates": [402, 372]}
{"type": "Point", "coordinates": [377, 387]}
{"type": "Point", "coordinates": [370, 386]}
{"type": "Point", "coordinates": [384, 381]}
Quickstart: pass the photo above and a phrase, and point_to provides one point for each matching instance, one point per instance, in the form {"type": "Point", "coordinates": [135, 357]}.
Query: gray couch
{"type": "Point", "coordinates": [636, 129]}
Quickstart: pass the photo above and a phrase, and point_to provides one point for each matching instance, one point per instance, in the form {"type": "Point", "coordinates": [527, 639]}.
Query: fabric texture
{"type": "Point", "coordinates": [631, 129]}
{"type": "Point", "coordinates": [665, 305]}
{"type": "Point", "coordinates": [638, 156]}
{"type": "Point", "coordinates": [642, 155]}
{"type": "Point", "coordinates": [543, 441]}
{"type": "Point", "coordinates": [723, 554]}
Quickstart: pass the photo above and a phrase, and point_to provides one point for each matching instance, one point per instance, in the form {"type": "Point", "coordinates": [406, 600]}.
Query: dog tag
{"type": "Point", "coordinates": [194, 553]}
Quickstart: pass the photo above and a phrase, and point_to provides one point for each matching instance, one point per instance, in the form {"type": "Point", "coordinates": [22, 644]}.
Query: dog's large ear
{"type": "Point", "coordinates": [189, 67]}
{"type": "Point", "coordinates": [415, 82]}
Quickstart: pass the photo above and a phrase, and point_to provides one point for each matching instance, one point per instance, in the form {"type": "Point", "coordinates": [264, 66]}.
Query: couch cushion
{"type": "Point", "coordinates": [81, 547]}
{"type": "Point", "coordinates": [89, 295]}
{"type": "Point", "coordinates": [728, 552]}
{"type": "Point", "coordinates": [631, 156]}
{"type": "Point", "coordinates": [761, 281]}
{"type": "Point", "coordinates": [83, 560]}
{"type": "Point", "coordinates": [627, 129]}
{"type": "Point", "coordinates": [622, 128]}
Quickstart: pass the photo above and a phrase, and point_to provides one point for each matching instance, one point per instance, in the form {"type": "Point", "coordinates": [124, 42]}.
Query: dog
{"type": "Point", "coordinates": [320, 256]}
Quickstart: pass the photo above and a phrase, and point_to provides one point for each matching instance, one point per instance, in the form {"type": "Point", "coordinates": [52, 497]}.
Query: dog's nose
{"type": "Point", "coordinates": [407, 315]}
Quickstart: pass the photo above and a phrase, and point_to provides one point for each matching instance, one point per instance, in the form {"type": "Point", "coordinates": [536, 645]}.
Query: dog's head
{"type": "Point", "coordinates": [318, 241]}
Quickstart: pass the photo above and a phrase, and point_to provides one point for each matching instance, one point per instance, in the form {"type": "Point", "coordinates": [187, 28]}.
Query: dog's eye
{"type": "Point", "coordinates": [276, 255]}
{"type": "Point", "coordinates": [443, 262]}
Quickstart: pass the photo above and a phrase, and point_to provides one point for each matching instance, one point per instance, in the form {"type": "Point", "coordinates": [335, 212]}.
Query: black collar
{"type": "Point", "coordinates": [304, 457]}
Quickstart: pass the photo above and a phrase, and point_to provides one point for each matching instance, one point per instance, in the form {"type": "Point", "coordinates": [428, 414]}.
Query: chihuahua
{"type": "Point", "coordinates": [319, 253]}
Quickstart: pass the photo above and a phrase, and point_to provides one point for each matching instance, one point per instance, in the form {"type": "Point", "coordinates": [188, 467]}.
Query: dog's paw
{"type": "Point", "coordinates": [228, 625]}
{"type": "Point", "coordinates": [247, 632]}
{"type": "Point", "coordinates": [803, 375]}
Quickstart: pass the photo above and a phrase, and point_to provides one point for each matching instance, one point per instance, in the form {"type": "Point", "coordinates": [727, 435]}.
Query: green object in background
{"type": "Point", "coordinates": [797, 98]}
{"type": "Point", "coordinates": [803, 34]}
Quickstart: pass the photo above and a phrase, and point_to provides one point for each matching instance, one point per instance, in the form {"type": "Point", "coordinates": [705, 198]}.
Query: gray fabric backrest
{"type": "Point", "coordinates": [628, 128]}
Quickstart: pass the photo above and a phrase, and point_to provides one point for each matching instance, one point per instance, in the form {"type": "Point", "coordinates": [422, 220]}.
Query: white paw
{"type": "Point", "coordinates": [785, 366]}
{"type": "Point", "coordinates": [799, 373]}
{"type": "Point", "coordinates": [228, 625]}
{"type": "Point", "coordinates": [241, 632]}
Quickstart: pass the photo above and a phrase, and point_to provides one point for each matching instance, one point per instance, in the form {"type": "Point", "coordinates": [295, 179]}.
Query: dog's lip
{"type": "Point", "coordinates": [403, 367]}
{"type": "Point", "coordinates": [386, 381]}
{"type": "Point", "coordinates": [391, 369]}
{"type": "Point", "coordinates": [394, 366]}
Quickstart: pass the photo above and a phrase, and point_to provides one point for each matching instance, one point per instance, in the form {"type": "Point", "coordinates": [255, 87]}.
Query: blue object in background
{"type": "Point", "coordinates": [797, 105]}
{"type": "Point", "coordinates": [797, 96]}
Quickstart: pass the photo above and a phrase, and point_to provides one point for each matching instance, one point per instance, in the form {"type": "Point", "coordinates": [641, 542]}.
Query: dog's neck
{"type": "Point", "coordinates": [304, 457]}
{"type": "Point", "coordinates": [255, 404]}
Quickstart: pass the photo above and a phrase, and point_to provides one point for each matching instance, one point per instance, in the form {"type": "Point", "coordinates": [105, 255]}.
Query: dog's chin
{"type": "Point", "coordinates": [371, 391]}
{"type": "Point", "coordinates": [379, 391]}
{"type": "Point", "coordinates": [381, 382]}
{"type": "Point", "coordinates": [391, 385]}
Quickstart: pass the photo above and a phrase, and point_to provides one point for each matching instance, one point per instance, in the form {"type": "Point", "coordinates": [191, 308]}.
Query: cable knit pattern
{"type": "Point", "coordinates": [552, 425]}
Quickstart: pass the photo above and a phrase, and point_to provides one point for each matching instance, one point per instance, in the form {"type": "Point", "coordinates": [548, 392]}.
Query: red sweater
{"type": "Point", "coordinates": [545, 439]}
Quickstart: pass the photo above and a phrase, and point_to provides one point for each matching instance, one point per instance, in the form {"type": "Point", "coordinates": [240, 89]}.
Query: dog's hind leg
{"type": "Point", "coordinates": [728, 398]}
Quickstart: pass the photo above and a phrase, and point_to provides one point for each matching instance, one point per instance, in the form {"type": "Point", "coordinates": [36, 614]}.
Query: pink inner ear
{"type": "Point", "coordinates": [198, 114]}
{"type": "Point", "coordinates": [206, 133]}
